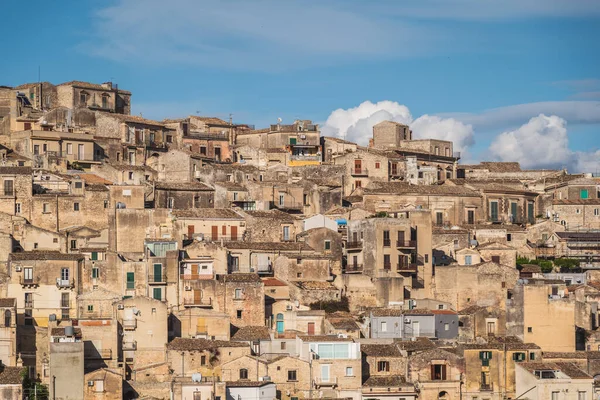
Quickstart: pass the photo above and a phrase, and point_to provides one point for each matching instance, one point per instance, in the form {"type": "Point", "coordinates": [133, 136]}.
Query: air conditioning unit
{"type": "Point", "coordinates": [188, 288]}
{"type": "Point", "coordinates": [120, 307]}
{"type": "Point", "coordinates": [407, 320]}
{"type": "Point", "coordinates": [302, 136]}
{"type": "Point", "coordinates": [288, 308]}
{"type": "Point", "coordinates": [18, 268]}
{"type": "Point", "coordinates": [90, 383]}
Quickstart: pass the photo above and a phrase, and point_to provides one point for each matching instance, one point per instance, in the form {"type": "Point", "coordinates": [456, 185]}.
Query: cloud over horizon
{"type": "Point", "coordinates": [541, 142]}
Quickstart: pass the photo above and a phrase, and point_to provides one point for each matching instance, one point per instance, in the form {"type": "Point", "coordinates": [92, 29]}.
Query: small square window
{"type": "Point", "coordinates": [75, 206]}
{"type": "Point", "coordinates": [239, 314]}
{"type": "Point", "coordinates": [327, 245]}
{"type": "Point", "coordinates": [35, 245]}
{"type": "Point", "coordinates": [529, 329]}
{"type": "Point", "coordinates": [90, 308]}
{"type": "Point", "coordinates": [55, 240]}
{"type": "Point", "coordinates": [349, 371]}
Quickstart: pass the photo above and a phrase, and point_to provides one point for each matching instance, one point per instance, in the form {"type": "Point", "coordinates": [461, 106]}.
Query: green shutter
{"type": "Point", "coordinates": [583, 194]}
{"type": "Point", "coordinates": [130, 280]}
{"type": "Point", "coordinates": [94, 255]}
{"type": "Point", "coordinates": [292, 140]}
{"type": "Point", "coordinates": [157, 293]}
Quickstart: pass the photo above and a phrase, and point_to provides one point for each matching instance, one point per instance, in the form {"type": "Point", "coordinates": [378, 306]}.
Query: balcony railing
{"type": "Point", "coordinates": [130, 346]}
{"type": "Point", "coordinates": [355, 245]}
{"type": "Point", "coordinates": [488, 387]}
{"type": "Point", "coordinates": [129, 324]}
{"type": "Point", "coordinates": [29, 281]}
{"type": "Point", "coordinates": [262, 269]}
{"type": "Point", "coordinates": [406, 267]}
{"type": "Point", "coordinates": [387, 265]}
{"type": "Point", "coordinates": [359, 172]}
{"type": "Point", "coordinates": [306, 157]}
{"type": "Point", "coordinates": [65, 304]}
{"type": "Point", "coordinates": [387, 242]}
{"type": "Point", "coordinates": [196, 277]}
{"type": "Point", "coordinates": [406, 243]}
{"type": "Point", "coordinates": [288, 205]}
{"type": "Point", "coordinates": [331, 382]}
{"type": "Point", "coordinates": [198, 302]}
{"type": "Point", "coordinates": [157, 279]}
{"type": "Point", "coordinates": [65, 283]}
{"type": "Point", "coordinates": [29, 304]}
{"type": "Point", "coordinates": [353, 268]}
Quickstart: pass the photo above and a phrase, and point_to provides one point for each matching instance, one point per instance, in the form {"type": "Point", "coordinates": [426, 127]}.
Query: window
{"type": "Point", "coordinates": [202, 360]}
{"type": "Point", "coordinates": [243, 373]}
{"type": "Point", "coordinates": [485, 357]}
{"type": "Point", "coordinates": [45, 208]}
{"type": "Point", "coordinates": [170, 202]}
{"type": "Point", "coordinates": [531, 356]}
{"type": "Point", "coordinates": [555, 395]}
{"type": "Point", "coordinates": [468, 260]}
{"type": "Point", "coordinates": [383, 366]}
{"type": "Point", "coordinates": [203, 150]}
{"type": "Point", "coordinates": [327, 245]}
{"type": "Point", "coordinates": [95, 272]}
{"type": "Point", "coordinates": [529, 329]}
{"type": "Point", "coordinates": [55, 240]}
{"type": "Point", "coordinates": [438, 372]}
{"type": "Point", "coordinates": [82, 98]}
{"type": "Point", "coordinates": [238, 314]}
{"type": "Point", "coordinates": [64, 274]}
{"type": "Point", "coordinates": [27, 275]}
{"type": "Point", "coordinates": [281, 199]}
{"type": "Point", "coordinates": [17, 208]}
{"type": "Point", "coordinates": [130, 175]}
{"type": "Point", "coordinates": [7, 318]}
{"type": "Point", "coordinates": [292, 375]}
{"type": "Point", "coordinates": [358, 184]}
{"type": "Point", "coordinates": [238, 294]}
{"type": "Point", "coordinates": [283, 345]}
{"type": "Point", "coordinates": [494, 211]}
{"type": "Point", "coordinates": [386, 239]}
{"type": "Point", "coordinates": [583, 194]}
{"type": "Point", "coordinates": [383, 326]}
{"type": "Point", "coordinates": [75, 206]}
{"type": "Point", "coordinates": [596, 211]}
{"type": "Point", "coordinates": [9, 187]}
{"type": "Point", "coordinates": [581, 396]}
{"type": "Point", "coordinates": [446, 327]}
{"type": "Point", "coordinates": [157, 293]}
{"type": "Point", "coordinates": [519, 357]}
{"type": "Point", "coordinates": [105, 203]}
{"type": "Point", "coordinates": [387, 264]}
{"type": "Point", "coordinates": [90, 308]}
{"type": "Point", "coordinates": [439, 218]}
{"type": "Point", "coordinates": [496, 259]}
{"type": "Point", "coordinates": [169, 138]}
{"type": "Point", "coordinates": [349, 371]}
{"type": "Point", "coordinates": [70, 148]}
{"type": "Point", "coordinates": [377, 165]}
{"type": "Point", "coordinates": [131, 280]}
{"type": "Point", "coordinates": [235, 196]}
{"type": "Point", "coordinates": [36, 147]}
{"type": "Point", "coordinates": [73, 244]}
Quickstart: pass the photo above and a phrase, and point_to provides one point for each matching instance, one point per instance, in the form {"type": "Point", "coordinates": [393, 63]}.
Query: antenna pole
{"type": "Point", "coordinates": [39, 73]}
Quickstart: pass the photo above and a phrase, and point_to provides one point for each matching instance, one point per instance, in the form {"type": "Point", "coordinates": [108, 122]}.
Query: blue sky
{"type": "Point", "coordinates": [263, 59]}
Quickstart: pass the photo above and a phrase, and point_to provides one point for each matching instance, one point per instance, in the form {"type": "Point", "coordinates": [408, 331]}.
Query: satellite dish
{"type": "Point", "coordinates": [279, 120]}
{"type": "Point", "coordinates": [197, 377]}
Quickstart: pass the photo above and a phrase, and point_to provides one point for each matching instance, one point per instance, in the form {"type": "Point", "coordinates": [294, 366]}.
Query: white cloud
{"type": "Point", "coordinates": [542, 142]}
{"type": "Point", "coordinates": [434, 127]}
{"type": "Point", "coordinates": [356, 124]}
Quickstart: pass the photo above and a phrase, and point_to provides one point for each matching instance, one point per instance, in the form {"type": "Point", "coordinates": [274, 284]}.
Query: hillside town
{"type": "Point", "coordinates": [196, 258]}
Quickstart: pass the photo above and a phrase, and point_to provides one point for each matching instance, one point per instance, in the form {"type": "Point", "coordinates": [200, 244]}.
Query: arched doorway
{"type": "Point", "coordinates": [280, 326]}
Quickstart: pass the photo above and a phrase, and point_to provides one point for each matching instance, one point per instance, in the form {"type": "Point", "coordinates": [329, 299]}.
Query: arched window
{"type": "Point", "coordinates": [243, 373]}
{"type": "Point", "coordinates": [7, 318]}
{"type": "Point", "coordinates": [280, 324]}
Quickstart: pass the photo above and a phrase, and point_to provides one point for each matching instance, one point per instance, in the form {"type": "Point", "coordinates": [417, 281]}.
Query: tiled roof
{"type": "Point", "coordinates": [11, 376]}
{"type": "Point", "coordinates": [249, 333]}
{"type": "Point", "coordinates": [416, 345]}
{"type": "Point", "coordinates": [184, 344]}
{"type": "Point", "coordinates": [273, 282]}
{"type": "Point", "coordinates": [576, 202]}
{"type": "Point", "coordinates": [405, 188]}
{"type": "Point", "coordinates": [315, 285]}
{"type": "Point", "coordinates": [379, 350]}
{"type": "Point", "coordinates": [89, 85]}
{"type": "Point", "coordinates": [44, 255]}
{"type": "Point", "coordinates": [495, 166]}
{"type": "Point", "coordinates": [134, 119]}
{"type": "Point", "coordinates": [385, 381]}
{"type": "Point", "coordinates": [207, 213]}
{"type": "Point", "coordinates": [61, 332]}
{"type": "Point", "coordinates": [387, 312]}
{"type": "Point", "coordinates": [241, 278]}
{"type": "Point", "coordinates": [555, 354]}
{"type": "Point", "coordinates": [269, 246]}
{"type": "Point", "coordinates": [247, 383]}
{"type": "Point", "coordinates": [472, 309]}
{"type": "Point", "coordinates": [592, 236]}
{"type": "Point", "coordinates": [16, 170]}
{"type": "Point", "coordinates": [569, 369]}
{"type": "Point", "coordinates": [338, 140]}
{"type": "Point", "coordinates": [324, 338]}
{"type": "Point", "coordinates": [189, 186]}
{"type": "Point", "coordinates": [272, 214]}
{"type": "Point", "coordinates": [211, 120]}
{"type": "Point", "coordinates": [531, 268]}
{"type": "Point", "coordinates": [347, 324]}
{"type": "Point", "coordinates": [232, 186]}
{"type": "Point", "coordinates": [8, 302]}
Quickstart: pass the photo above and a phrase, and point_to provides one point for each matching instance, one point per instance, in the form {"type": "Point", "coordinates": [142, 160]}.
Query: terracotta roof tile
{"type": "Point", "coordinates": [385, 381]}
{"type": "Point", "coordinates": [44, 255]}
{"type": "Point", "coordinates": [249, 333]}
{"type": "Point", "coordinates": [208, 213]}
{"type": "Point", "coordinates": [187, 186]}
{"type": "Point", "coordinates": [11, 376]}
{"type": "Point", "coordinates": [184, 344]}
{"type": "Point", "coordinates": [379, 350]}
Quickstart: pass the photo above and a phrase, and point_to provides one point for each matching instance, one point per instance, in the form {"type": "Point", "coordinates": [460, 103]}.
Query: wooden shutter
{"type": "Point", "coordinates": [443, 372]}
{"type": "Point", "coordinates": [215, 233]}
{"type": "Point", "coordinates": [432, 372]}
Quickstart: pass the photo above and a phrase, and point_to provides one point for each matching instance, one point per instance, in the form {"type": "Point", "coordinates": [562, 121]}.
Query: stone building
{"type": "Point", "coordinates": [439, 372]}
{"type": "Point", "coordinates": [182, 196]}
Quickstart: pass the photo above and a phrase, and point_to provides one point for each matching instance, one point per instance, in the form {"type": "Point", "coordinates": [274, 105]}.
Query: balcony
{"type": "Point", "coordinates": [205, 303]}
{"type": "Point", "coordinates": [411, 244]}
{"type": "Point", "coordinates": [156, 279]}
{"type": "Point", "coordinates": [130, 346]}
{"type": "Point", "coordinates": [331, 382]}
{"type": "Point", "coordinates": [359, 172]}
{"type": "Point", "coordinates": [196, 277]}
{"type": "Point", "coordinates": [266, 269]}
{"type": "Point", "coordinates": [356, 245]}
{"type": "Point", "coordinates": [65, 283]}
{"type": "Point", "coordinates": [387, 266]}
{"type": "Point", "coordinates": [353, 269]}
{"type": "Point", "coordinates": [129, 324]}
{"type": "Point", "coordinates": [486, 387]}
{"type": "Point", "coordinates": [29, 282]}
{"type": "Point", "coordinates": [406, 267]}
